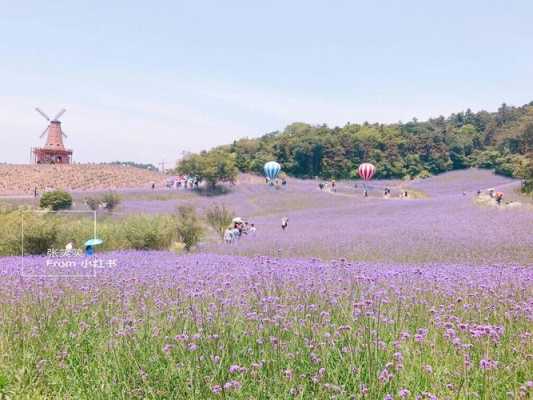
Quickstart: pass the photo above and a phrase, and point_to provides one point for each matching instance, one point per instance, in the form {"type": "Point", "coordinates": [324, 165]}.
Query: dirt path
{"type": "Point", "coordinates": [485, 200]}
{"type": "Point", "coordinates": [413, 194]}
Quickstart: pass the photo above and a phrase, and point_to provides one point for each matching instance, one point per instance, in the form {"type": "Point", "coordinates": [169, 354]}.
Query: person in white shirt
{"type": "Point", "coordinates": [228, 235]}
{"type": "Point", "coordinates": [284, 223]}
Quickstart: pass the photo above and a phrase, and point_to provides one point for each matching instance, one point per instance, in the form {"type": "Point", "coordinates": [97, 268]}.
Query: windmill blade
{"type": "Point", "coordinates": [59, 114]}
{"type": "Point", "coordinates": [42, 113]}
{"type": "Point", "coordinates": [42, 134]}
{"type": "Point", "coordinates": [63, 133]}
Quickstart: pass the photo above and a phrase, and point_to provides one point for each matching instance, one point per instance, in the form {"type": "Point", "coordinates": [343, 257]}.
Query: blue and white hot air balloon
{"type": "Point", "coordinates": [272, 169]}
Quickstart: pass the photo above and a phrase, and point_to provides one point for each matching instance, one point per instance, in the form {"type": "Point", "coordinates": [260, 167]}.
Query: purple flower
{"type": "Point", "coordinates": [487, 364]}
{"type": "Point", "coordinates": [234, 369]}
{"type": "Point", "coordinates": [288, 374]}
{"type": "Point", "coordinates": [421, 334]}
{"type": "Point", "coordinates": [232, 385]}
{"type": "Point", "coordinates": [404, 393]}
{"type": "Point", "coordinates": [385, 376]}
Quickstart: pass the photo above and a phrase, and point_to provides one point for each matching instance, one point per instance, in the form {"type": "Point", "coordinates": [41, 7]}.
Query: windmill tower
{"type": "Point", "coordinates": [54, 151]}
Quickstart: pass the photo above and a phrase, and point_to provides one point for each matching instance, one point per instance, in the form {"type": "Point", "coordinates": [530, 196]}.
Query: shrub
{"type": "Point", "coordinates": [40, 234]}
{"type": "Point", "coordinates": [505, 168]}
{"type": "Point", "coordinates": [219, 217]}
{"type": "Point", "coordinates": [527, 175]}
{"type": "Point", "coordinates": [76, 229]}
{"type": "Point", "coordinates": [10, 221]}
{"type": "Point", "coordinates": [189, 227]}
{"type": "Point", "coordinates": [56, 200]}
{"type": "Point", "coordinates": [111, 200]}
{"type": "Point", "coordinates": [46, 231]}
{"type": "Point", "coordinates": [144, 232]}
{"type": "Point", "coordinates": [93, 203]}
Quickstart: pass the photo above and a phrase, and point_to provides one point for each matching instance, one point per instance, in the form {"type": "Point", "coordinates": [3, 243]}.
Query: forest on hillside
{"type": "Point", "coordinates": [501, 140]}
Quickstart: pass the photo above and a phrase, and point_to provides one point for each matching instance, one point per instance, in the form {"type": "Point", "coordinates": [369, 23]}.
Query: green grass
{"type": "Point", "coordinates": [52, 349]}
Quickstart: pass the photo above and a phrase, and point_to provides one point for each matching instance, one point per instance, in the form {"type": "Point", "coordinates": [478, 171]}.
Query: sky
{"type": "Point", "coordinates": [147, 81]}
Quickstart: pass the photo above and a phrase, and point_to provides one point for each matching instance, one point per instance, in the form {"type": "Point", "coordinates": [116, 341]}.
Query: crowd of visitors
{"type": "Point", "coordinates": [276, 182]}
{"type": "Point", "coordinates": [183, 182]}
{"type": "Point", "coordinates": [238, 229]}
{"type": "Point", "coordinates": [330, 186]}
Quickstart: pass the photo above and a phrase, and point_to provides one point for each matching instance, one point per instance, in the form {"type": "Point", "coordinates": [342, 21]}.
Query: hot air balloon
{"type": "Point", "coordinates": [366, 171]}
{"type": "Point", "coordinates": [272, 169]}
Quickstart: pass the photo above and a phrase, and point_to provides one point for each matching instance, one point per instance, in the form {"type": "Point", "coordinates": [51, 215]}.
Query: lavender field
{"type": "Point", "coordinates": [429, 297]}
{"type": "Point", "coordinates": [439, 221]}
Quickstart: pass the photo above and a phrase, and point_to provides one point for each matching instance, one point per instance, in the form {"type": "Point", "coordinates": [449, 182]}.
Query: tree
{"type": "Point", "coordinates": [56, 200]}
{"type": "Point", "coordinates": [213, 167]}
{"type": "Point", "coordinates": [398, 150]}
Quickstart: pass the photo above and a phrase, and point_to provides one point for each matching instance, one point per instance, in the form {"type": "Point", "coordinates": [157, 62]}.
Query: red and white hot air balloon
{"type": "Point", "coordinates": [366, 171]}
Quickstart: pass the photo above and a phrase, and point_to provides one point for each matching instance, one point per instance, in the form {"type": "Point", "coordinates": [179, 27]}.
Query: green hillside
{"type": "Point", "coordinates": [501, 140]}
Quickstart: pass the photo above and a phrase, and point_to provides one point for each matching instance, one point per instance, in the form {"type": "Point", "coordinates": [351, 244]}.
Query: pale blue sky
{"type": "Point", "coordinates": [145, 80]}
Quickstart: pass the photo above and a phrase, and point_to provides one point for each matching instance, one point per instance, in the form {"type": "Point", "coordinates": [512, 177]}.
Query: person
{"type": "Point", "coordinates": [89, 250]}
{"type": "Point", "coordinates": [405, 193]}
{"type": "Point", "coordinates": [284, 182]}
{"type": "Point", "coordinates": [321, 186]}
{"type": "Point", "coordinates": [69, 248]}
{"type": "Point", "coordinates": [333, 185]}
{"type": "Point", "coordinates": [284, 223]}
{"type": "Point", "coordinates": [252, 228]}
{"type": "Point", "coordinates": [153, 185]}
{"type": "Point", "coordinates": [35, 191]}
{"type": "Point", "coordinates": [228, 235]}
{"type": "Point", "coordinates": [478, 192]}
{"type": "Point", "coordinates": [499, 197]}
{"type": "Point", "coordinates": [366, 193]}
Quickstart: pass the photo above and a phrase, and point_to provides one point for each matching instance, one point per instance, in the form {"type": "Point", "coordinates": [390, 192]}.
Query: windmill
{"type": "Point", "coordinates": [54, 151]}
